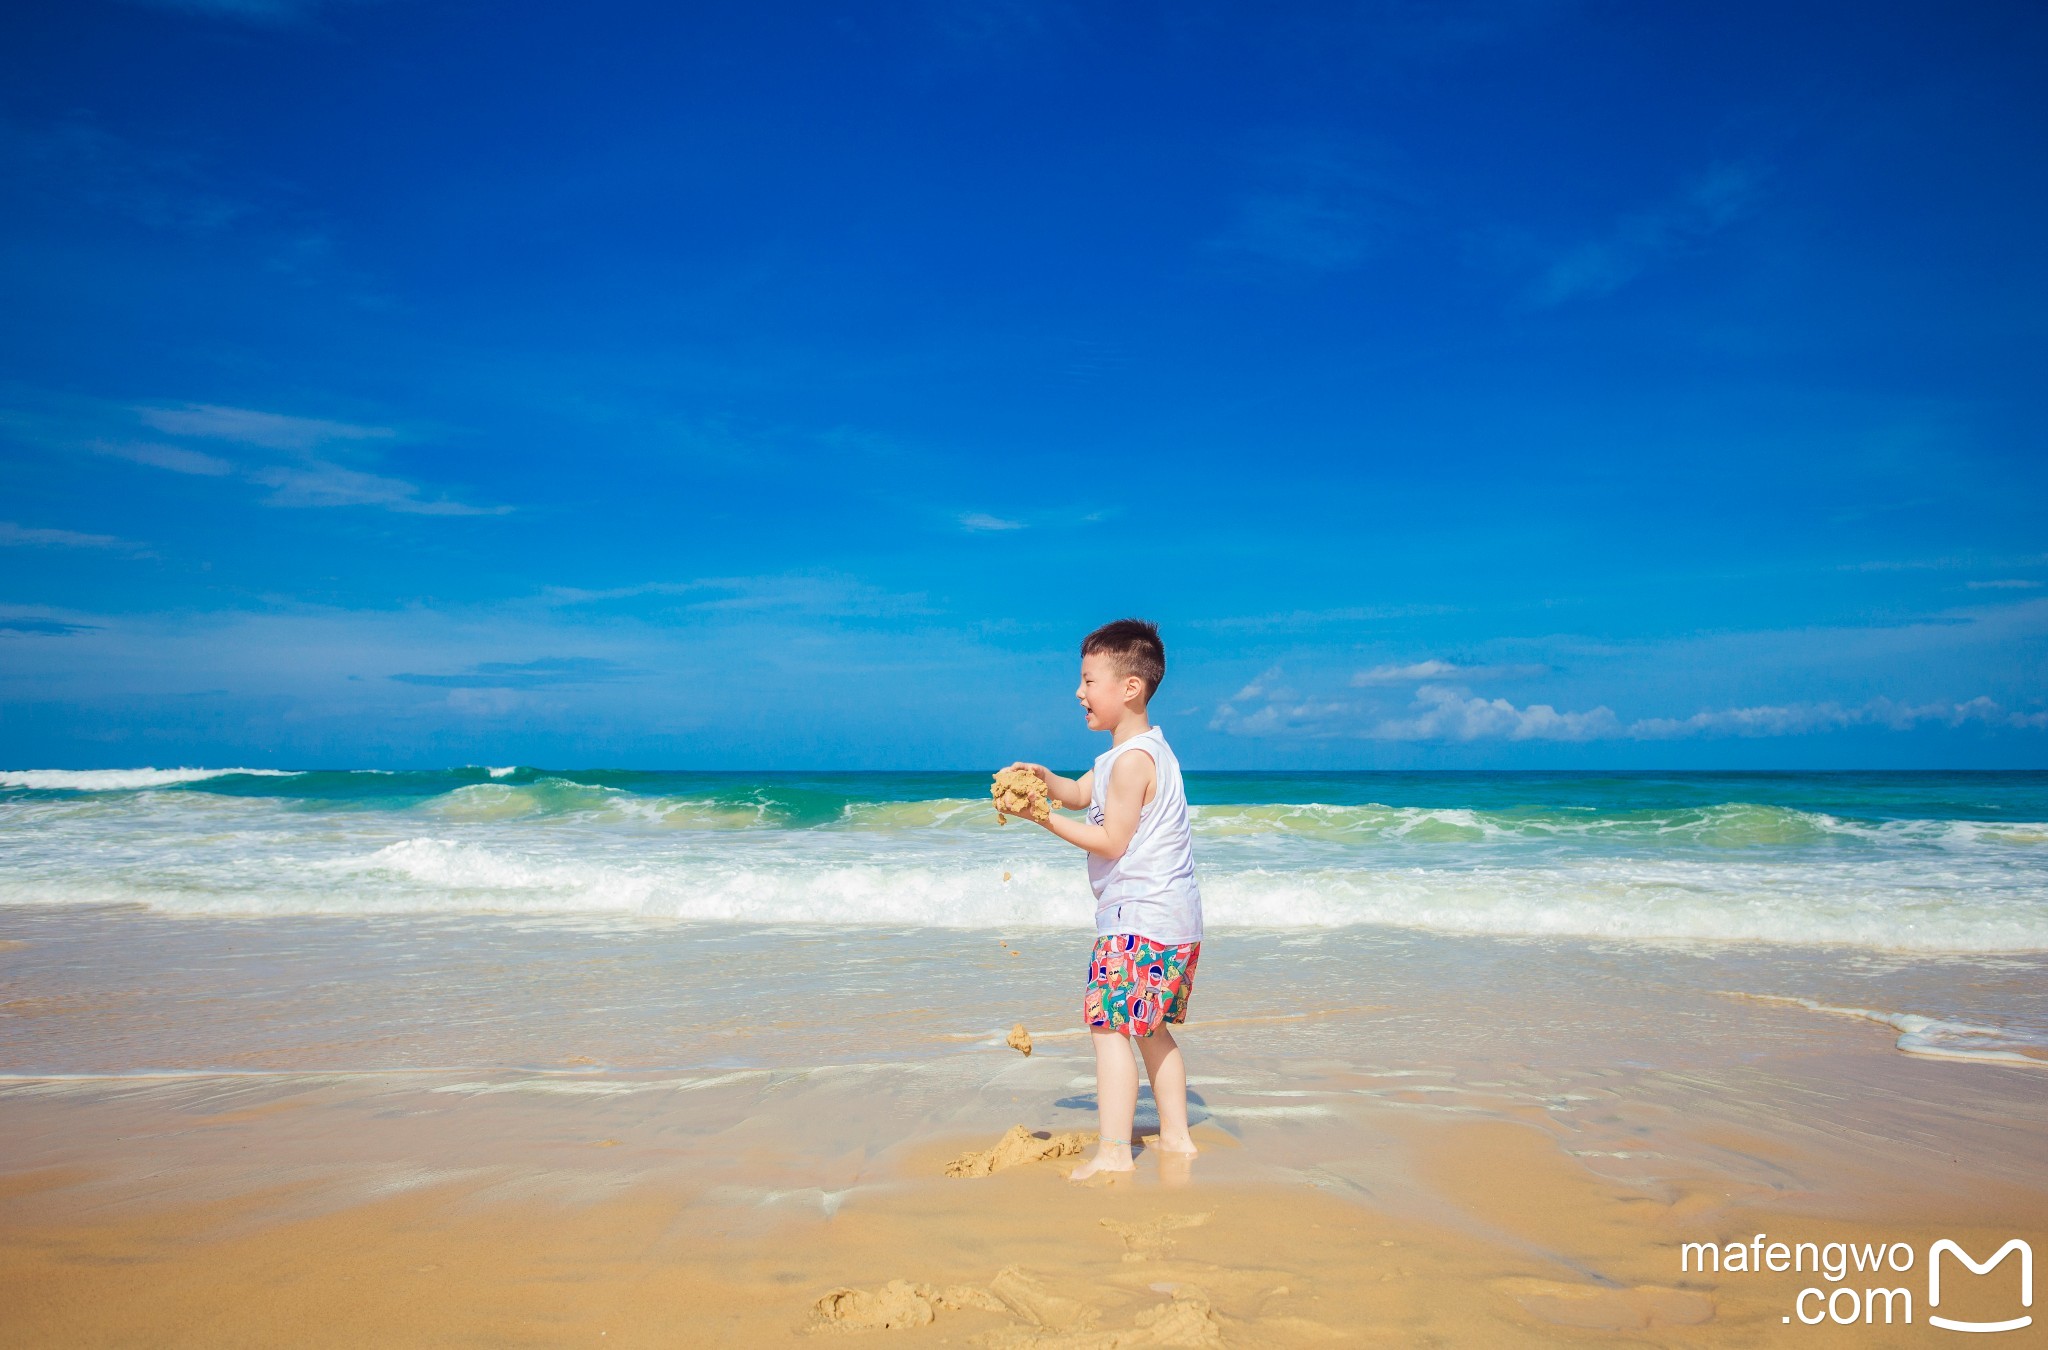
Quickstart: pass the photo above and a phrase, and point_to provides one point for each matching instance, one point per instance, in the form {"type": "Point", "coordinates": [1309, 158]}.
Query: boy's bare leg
{"type": "Point", "coordinates": [1116, 1101]}
{"type": "Point", "coordinates": [1169, 1075]}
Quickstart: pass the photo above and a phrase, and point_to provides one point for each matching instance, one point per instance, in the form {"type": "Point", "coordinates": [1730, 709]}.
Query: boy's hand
{"type": "Point", "coordinates": [1045, 775]}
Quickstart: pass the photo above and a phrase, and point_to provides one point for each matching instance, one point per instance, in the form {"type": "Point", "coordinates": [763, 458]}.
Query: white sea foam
{"type": "Point", "coordinates": [505, 772]}
{"type": "Point", "coordinates": [120, 780]}
{"type": "Point", "coordinates": [1937, 1038]}
{"type": "Point", "coordinates": [1730, 873]}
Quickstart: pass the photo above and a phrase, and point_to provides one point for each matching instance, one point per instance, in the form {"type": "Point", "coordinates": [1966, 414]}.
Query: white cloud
{"type": "Point", "coordinates": [2007, 584]}
{"type": "Point", "coordinates": [272, 431]}
{"type": "Point", "coordinates": [1283, 712]}
{"type": "Point", "coordinates": [1443, 713]}
{"type": "Point", "coordinates": [23, 536]}
{"type": "Point", "coordinates": [981, 520]}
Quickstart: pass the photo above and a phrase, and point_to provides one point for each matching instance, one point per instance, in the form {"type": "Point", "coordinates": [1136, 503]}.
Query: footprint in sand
{"type": "Point", "coordinates": [1143, 1241]}
{"type": "Point", "coordinates": [896, 1305]}
{"type": "Point", "coordinates": [1058, 1323]}
{"type": "Point", "coordinates": [1051, 1321]}
{"type": "Point", "coordinates": [1016, 1148]}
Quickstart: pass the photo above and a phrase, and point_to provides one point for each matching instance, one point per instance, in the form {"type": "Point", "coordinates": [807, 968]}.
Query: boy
{"type": "Point", "coordinates": [1148, 911]}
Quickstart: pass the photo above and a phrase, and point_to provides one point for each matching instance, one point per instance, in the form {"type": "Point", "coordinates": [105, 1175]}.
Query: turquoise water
{"type": "Point", "coordinates": [1930, 862]}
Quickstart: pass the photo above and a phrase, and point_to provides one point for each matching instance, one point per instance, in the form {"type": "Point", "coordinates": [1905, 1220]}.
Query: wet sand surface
{"type": "Point", "coordinates": [1405, 1142]}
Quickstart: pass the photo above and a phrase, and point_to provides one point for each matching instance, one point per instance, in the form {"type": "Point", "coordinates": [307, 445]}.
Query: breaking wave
{"type": "Point", "coordinates": [121, 780]}
{"type": "Point", "coordinates": [1958, 864]}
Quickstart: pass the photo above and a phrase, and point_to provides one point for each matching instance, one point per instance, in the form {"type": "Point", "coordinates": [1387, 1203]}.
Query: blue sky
{"type": "Point", "coordinates": [1486, 383]}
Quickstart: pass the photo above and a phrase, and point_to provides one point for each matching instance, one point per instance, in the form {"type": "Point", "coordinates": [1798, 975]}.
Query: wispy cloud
{"type": "Point", "coordinates": [75, 162]}
{"type": "Point", "coordinates": [552, 670]}
{"type": "Point", "coordinates": [2005, 584]}
{"type": "Point", "coordinates": [1433, 669]}
{"type": "Point", "coordinates": [1799, 718]}
{"type": "Point", "coordinates": [1311, 206]}
{"type": "Point", "coordinates": [41, 621]}
{"type": "Point", "coordinates": [1307, 228]}
{"type": "Point", "coordinates": [23, 536]}
{"type": "Point", "coordinates": [323, 484]}
{"type": "Point", "coordinates": [1318, 618]}
{"type": "Point", "coordinates": [263, 13]}
{"type": "Point", "coordinates": [160, 456]}
{"type": "Point", "coordinates": [1449, 713]}
{"type": "Point", "coordinates": [1052, 518]}
{"type": "Point", "coordinates": [1701, 209]}
{"type": "Point", "coordinates": [295, 457]}
{"type": "Point", "coordinates": [811, 594]}
{"type": "Point", "coordinates": [249, 426]}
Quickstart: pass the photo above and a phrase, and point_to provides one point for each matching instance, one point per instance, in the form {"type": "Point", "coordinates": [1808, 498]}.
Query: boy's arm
{"type": "Point", "coordinates": [1071, 793]}
{"type": "Point", "coordinates": [1129, 780]}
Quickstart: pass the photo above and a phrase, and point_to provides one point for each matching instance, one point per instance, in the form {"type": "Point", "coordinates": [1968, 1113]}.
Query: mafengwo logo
{"type": "Point", "coordinates": [1871, 1300]}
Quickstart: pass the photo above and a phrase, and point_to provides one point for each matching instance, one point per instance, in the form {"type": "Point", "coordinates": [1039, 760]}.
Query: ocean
{"type": "Point", "coordinates": [483, 918]}
{"type": "Point", "coordinates": [1902, 862]}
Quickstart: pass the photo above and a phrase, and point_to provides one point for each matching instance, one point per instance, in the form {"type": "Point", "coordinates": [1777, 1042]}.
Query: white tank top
{"type": "Point", "coordinates": [1151, 890]}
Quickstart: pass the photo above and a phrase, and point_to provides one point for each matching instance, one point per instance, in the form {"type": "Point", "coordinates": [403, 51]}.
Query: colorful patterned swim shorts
{"type": "Point", "coordinates": [1135, 984]}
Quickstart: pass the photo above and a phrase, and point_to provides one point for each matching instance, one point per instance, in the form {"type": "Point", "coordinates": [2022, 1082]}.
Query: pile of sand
{"type": "Point", "coordinates": [1016, 1148]}
{"type": "Point", "coordinates": [1020, 792]}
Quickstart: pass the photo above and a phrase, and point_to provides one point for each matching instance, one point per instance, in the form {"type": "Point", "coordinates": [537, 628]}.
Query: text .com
{"type": "Point", "coordinates": [1862, 1282]}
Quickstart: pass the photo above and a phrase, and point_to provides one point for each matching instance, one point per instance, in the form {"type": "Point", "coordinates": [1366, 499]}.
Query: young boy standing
{"type": "Point", "coordinates": [1148, 910]}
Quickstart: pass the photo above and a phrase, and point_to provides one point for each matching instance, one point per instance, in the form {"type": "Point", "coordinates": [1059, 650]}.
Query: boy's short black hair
{"type": "Point", "coordinates": [1134, 646]}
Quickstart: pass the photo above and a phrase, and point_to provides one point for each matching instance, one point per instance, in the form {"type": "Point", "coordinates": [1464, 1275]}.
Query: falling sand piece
{"type": "Point", "coordinates": [1020, 792]}
{"type": "Point", "coordinates": [1018, 1147]}
{"type": "Point", "coordinates": [1020, 1040]}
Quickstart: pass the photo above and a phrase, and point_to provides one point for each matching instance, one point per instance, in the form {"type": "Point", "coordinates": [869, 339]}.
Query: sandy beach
{"type": "Point", "coordinates": [1502, 1143]}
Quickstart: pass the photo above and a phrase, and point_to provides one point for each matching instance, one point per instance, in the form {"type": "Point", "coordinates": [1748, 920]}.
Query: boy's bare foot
{"type": "Point", "coordinates": [1106, 1158]}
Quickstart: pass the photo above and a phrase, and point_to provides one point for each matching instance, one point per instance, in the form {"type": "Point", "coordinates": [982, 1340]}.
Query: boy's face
{"type": "Point", "coordinates": [1103, 693]}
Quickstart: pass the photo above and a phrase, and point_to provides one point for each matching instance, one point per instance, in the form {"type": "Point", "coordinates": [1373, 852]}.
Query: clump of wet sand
{"type": "Point", "coordinates": [1020, 792]}
{"type": "Point", "coordinates": [1016, 1148]}
{"type": "Point", "coordinates": [1019, 1040]}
